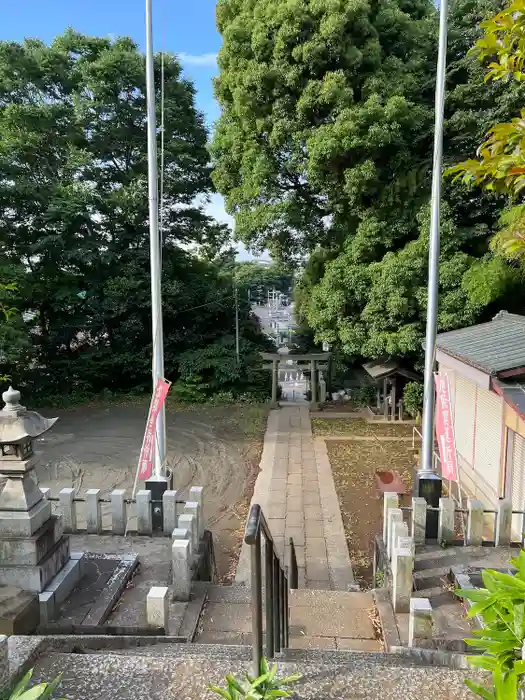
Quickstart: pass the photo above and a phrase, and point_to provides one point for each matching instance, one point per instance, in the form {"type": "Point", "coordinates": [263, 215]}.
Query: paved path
{"type": "Point", "coordinates": [296, 491]}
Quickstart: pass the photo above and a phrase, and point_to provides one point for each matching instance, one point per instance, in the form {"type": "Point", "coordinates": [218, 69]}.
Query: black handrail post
{"type": "Point", "coordinates": [282, 585]}
{"type": "Point", "coordinates": [256, 581]}
{"type": "Point", "coordinates": [293, 573]}
{"type": "Point", "coordinates": [276, 606]}
{"type": "Point", "coordinates": [268, 576]}
{"type": "Point", "coordinates": [286, 613]}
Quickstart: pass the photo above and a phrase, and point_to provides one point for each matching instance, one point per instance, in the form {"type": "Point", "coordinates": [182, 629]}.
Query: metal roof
{"type": "Point", "coordinates": [382, 369]}
{"type": "Point", "coordinates": [514, 395]}
{"type": "Point", "coordinates": [492, 347]}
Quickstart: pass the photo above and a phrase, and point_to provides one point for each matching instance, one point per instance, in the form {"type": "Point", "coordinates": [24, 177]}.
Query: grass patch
{"type": "Point", "coordinates": [359, 427]}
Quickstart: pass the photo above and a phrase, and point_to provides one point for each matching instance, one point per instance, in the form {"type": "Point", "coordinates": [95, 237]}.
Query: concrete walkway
{"type": "Point", "coordinates": [296, 491]}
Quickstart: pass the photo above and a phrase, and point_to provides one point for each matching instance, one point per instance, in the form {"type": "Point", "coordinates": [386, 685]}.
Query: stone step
{"type": "Point", "coordinates": [187, 676]}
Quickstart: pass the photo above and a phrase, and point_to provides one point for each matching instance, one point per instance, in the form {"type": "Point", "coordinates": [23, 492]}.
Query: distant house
{"type": "Point", "coordinates": [486, 369]}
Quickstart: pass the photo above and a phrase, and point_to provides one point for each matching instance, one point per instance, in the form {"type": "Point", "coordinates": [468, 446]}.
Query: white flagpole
{"type": "Point", "coordinates": [427, 448]}
{"type": "Point", "coordinates": [155, 258]}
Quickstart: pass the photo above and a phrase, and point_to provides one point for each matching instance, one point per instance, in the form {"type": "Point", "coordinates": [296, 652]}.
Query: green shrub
{"type": "Point", "coordinates": [501, 605]}
{"type": "Point", "coordinates": [42, 691]}
{"type": "Point", "coordinates": [413, 398]}
{"type": "Point", "coordinates": [266, 686]}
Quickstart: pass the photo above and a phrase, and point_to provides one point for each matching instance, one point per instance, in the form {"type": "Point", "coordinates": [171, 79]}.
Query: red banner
{"type": "Point", "coordinates": [445, 429]}
{"type": "Point", "coordinates": [148, 444]}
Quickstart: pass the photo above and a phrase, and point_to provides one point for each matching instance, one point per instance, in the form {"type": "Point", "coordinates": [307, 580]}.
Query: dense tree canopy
{"type": "Point", "coordinates": [254, 280]}
{"type": "Point", "coordinates": [324, 149]}
{"type": "Point", "coordinates": [74, 215]}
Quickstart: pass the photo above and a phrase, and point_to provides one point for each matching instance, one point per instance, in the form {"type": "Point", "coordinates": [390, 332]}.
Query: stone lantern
{"type": "Point", "coordinates": [18, 428]}
{"type": "Point", "coordinates": [32, 546]}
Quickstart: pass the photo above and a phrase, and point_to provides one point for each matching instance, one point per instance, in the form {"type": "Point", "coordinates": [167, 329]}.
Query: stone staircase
{"type": "Point", "coordinates": [183, 672]}
{"type": "Point", "coordinates": [318, 619]}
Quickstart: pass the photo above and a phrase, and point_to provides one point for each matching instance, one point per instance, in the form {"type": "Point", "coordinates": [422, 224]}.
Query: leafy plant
{"type": "Point", "coordinates": [413, 398]}
{"type": "Point", "coordinates": [42, 691]}
{"type": "Point", "coordinates": [500, 163]}
{"type": "Point", "coordinates": [266, 686]}
{"type": "Point", "coordinates": [501, 605]}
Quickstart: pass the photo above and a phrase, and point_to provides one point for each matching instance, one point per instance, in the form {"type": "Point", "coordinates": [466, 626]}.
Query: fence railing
{"type": "Point", "coordinates": [495, 526]}
{"type": "Point", "coordinates": [277, 581]}
{"type": "Point", "coordinates": [118, 514]}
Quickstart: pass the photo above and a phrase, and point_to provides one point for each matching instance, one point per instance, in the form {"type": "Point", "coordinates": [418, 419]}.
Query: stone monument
{"type": "Point", "coordinates": [32, 546]}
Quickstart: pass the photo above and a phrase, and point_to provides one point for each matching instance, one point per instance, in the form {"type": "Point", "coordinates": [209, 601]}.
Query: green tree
{"type": "Point", "coordinates": [324, 133]}
{"type": "Point", "coordinates": [74, 213]}
{"type": "Point", "coordinates": [500, 166]}
{"type": "Point", "coordinates": [257, 279]}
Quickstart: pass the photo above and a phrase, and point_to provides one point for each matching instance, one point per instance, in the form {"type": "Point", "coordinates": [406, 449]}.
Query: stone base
{"type": "Point", "coordinates": [19, 611]}
{"type": "Point", "coordinates": [60, 587]}
{"type": "Point", "coordinates": [35, 578]}
{"type": "Point", "coordinates": [28, 551]}
{"type": "Point", "coordinates": [24, 523]}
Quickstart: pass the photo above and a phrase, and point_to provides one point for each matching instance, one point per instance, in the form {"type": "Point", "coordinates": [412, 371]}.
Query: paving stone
{"type": "Point", "coordinates": [297, 533]}
{"type": "Point", "coordinates": [313, 513]}
{"type": "Point", "coordinates": [359, 644]}
{"type": "Point", "coordinates": [295, 519]}
{"type": "Point", "coordinates": [276, 526]}
{"type": "Point", "coordinates": [300, 641]}
{"type": "Point", "coordinates": [316, 621]}
{"type": "Point", "coordinates": [318, 585]}
{"type": "Point", "coordinates": [277, 497]}
{"type": "Point", "coordinates": [311, 499]}
{"type": "Point", "coordinates": [294, 503]}
{"type": "Point", "coordinates": [227, 617]}
{"type": "Point", "coordinates": [313, 528]}
{"type": "Point", "coordinates": [275, 510]}
{"type": "Point", "coordinates": [295, 480]}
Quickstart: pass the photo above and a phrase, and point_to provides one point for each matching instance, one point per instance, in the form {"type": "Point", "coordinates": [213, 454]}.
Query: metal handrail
{"type": "Point", "coordinates": [277, 581]}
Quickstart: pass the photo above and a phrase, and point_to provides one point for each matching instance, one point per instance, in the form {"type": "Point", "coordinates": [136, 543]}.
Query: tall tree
{"type": "Point", "coordinates": [325, 120]}
{"type": "Point", "coordinates": [74, 212]}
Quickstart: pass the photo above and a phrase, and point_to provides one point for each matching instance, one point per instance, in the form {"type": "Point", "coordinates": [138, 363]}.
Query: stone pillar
{"type": "Point", "coordinates": [275, 370]}
{"type": "Point", "coordinates": [393, 400]}
{"type": "Point", "coordinates": [313, 384]}
{"type": "Point", "coordinates": [419, 519]}
{"type": "Point", "coordinates": [395, 515]}
{"type": "Point", "coordinates": [503, 523]}
{"type": "Point", "coordinates": [68, 509]}
{"type": "Point", "coordinates": [46, 492]}
{"type": "Point", "coordinates": [157, 612]}
{"type": "Point", "coordinates": [169, 511]}
{"type": "Point", "coordinates": [385, 399]}
{"type": "Point", "coordinates": [144, 518]}
{"type": "Point", "coordinates": [119, 518]}
{"type": "Point", "coordinates": [420, 621]}
{"type": "Point", "coordinates": [187, 522]}
{"type": "Point", "coordinates": [474, 522]}
{"type": "Point", "coordinates": [402, 567]}
{"type": "Point", "coordinates": [322, 389]}
{"type": "Point", "coordinates": [400, 533]}
{"type": "Point", "coordinates": [4, 663]}
{"type": "Point", "coordinates": [181, 567]}
{"type": "Point", "coordinates": [195, 510]}
{"type": "Point", "coordinates": [390, 500]}
{"type": "Point", "coordinates": [180, 533]}
{"type": "Point", "coordinates": [446, 520]}
{"type": "Point", "coordinates": [93, 512]}
{"type": "Point", "coordinates": [196, 495]}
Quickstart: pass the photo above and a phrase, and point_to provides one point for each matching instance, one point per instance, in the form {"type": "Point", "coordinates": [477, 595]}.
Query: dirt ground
{"type": "Point", "coordinates": [353, 466]}
{"type": "Point", "coordinates": [215, 447]}
{"type": "Point", "coordinates": [358, 427]}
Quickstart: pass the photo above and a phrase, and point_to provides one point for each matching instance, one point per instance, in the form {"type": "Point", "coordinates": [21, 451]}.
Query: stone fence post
{"type": "Point", "coordinates": [420, 621]}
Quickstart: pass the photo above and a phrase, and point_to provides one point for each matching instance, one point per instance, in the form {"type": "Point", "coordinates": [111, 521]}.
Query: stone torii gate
{"type": "Point", "coordinates": [311, 358]}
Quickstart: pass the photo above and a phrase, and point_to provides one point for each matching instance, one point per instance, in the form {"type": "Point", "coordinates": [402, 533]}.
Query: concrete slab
{"type": "Point", "coordinates": [227, 617]}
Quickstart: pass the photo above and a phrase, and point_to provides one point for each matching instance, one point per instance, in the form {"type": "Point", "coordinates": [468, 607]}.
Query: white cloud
{"type": "Point", "coordinates": [206, 60]}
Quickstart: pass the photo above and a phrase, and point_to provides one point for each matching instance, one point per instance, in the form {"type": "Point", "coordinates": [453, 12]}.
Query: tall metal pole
{"type": "Point", "coordinates": [237, 348]}
{"type": "Point", "coordinates": [154, 243]}
{"type": "Point", "coordinates": [433, 252]}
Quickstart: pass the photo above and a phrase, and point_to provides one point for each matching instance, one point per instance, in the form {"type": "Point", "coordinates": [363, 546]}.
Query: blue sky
{"type": "Point", "coordinates": [186, 28]}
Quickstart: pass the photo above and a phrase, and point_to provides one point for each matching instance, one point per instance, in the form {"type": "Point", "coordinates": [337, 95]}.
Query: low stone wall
{"type": "Point", "coordinates": [75, 508]}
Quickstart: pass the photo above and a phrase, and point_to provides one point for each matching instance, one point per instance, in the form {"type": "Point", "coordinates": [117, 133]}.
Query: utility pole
{"type": "Point", "coordinates": [237, 350]}
{"type": "Point", "coordinates": [154, 241]}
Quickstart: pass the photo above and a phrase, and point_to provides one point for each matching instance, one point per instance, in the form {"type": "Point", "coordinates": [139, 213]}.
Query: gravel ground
{"type": "Point", "coordinates": [97, 446]}
{"type": "Point", "coordinates": [353, 466]}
